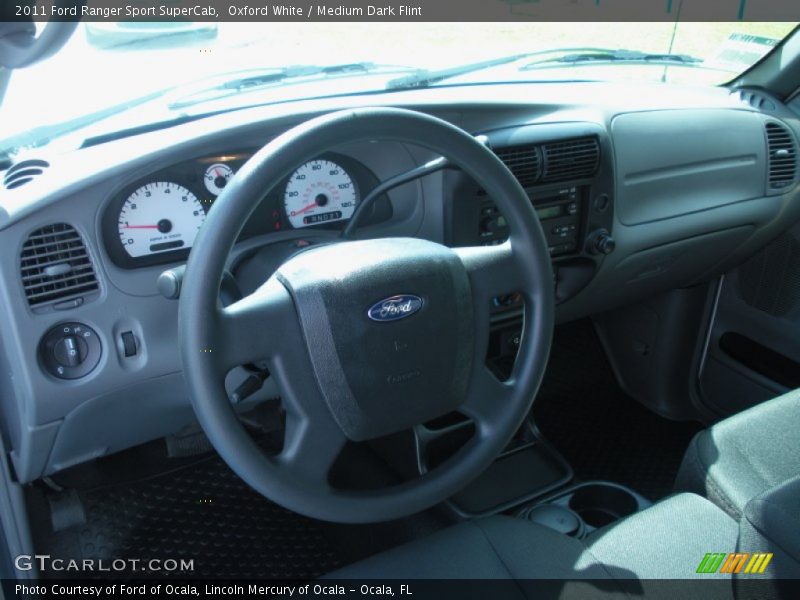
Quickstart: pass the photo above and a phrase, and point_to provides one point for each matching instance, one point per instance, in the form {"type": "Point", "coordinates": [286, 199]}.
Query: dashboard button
{"type": "Point", "coordinates": [128, 343]}
{"type": "Point", "coordinates": [601, 203]}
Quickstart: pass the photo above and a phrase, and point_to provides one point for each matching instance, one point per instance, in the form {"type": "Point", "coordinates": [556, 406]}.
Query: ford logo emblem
{"type": "Point", "coordinates": [394, 308]}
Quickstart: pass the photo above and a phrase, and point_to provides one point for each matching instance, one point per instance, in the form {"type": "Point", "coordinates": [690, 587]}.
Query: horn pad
{"type": "Point", "coordinates": [388, 326]}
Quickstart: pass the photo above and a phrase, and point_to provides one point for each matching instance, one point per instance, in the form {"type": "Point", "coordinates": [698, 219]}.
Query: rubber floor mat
{"type": "Point", "coordinates": [603, 433]}
{"type": "Point", "coordinates": [141, 504]}
{"type": "Point", "coordinates": [204, 513]}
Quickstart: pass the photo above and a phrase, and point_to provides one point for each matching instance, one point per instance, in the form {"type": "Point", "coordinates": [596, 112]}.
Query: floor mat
{"type": "Point", "coordinates": [203, 512]}
{"type": "Point", "coordinates": [603, 433]}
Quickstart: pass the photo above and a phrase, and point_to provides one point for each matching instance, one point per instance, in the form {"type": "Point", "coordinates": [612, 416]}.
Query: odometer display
{"type": "Point", "coordinates": [159, 217]}
{"type": "Point", "coordinates": [322, 217]}
{"type": "Point", "coordinates": [320, 191]}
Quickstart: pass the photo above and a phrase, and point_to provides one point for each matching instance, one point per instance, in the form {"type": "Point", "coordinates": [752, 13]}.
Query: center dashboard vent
{"type": "Point", "coordinates": [782, 156]}
{"type": "Point", "coordinates": [551, 162]}
{"type": "Point", "coordinates": [55, 265]}
{"type": "Point", "coordinates": [523, 162]}
{"type": "Point", "coordinates": [570, 159]}
{"type": "Point", "coordinates": [23, 172]}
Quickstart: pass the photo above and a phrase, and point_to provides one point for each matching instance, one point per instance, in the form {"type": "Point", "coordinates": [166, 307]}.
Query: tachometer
{"type": "Point", "coordinates": [320, 191]}
{"type": "Point", "coordinates": [159, 217]}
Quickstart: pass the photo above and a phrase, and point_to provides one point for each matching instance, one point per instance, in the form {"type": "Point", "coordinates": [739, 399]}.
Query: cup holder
{"type": "Point", "coordinates": [596, 504]}
{"type": "Point", "coordinates": [601, 504]}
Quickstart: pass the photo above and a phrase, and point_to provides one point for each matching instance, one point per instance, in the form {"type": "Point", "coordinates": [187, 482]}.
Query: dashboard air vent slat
{"type": "Point", "coordinates": [23, 172]}
{"type": "Point", "coordinates": [570, 159]}
{"type": "Point", "coordinates": [782, 156]}
{"type": "Point", "coordinates": [523, 162]}
{"type": "Point", "coordinates": [54, 264]}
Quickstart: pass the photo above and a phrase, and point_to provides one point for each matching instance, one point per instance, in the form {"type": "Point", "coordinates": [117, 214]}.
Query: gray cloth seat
{"type": "Point", "coordinates": [749, 465]}
{"type": "Point", "coordinates": [668, 540]}
{"type": "Point", "coordinates": [769, 526]}
{"type": "Point", "coordinates": [744, 455]}
{"type": "Point", "coordinates": [771, 523]}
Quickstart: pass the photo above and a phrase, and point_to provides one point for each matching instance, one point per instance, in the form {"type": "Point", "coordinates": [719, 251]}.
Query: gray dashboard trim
{"type": "Point", "coordinates": [46, 419]}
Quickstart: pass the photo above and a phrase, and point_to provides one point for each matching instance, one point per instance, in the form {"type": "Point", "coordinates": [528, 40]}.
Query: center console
{"type": "Point", "coordinates": [566, 172]}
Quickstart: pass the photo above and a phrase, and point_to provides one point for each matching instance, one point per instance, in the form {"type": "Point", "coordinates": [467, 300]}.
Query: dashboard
{"type": "Point", "coordinates": [640, 188]}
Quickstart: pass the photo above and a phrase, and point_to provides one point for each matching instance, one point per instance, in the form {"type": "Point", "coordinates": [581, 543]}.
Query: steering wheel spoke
{"type": "Point", "coordinates": [488, 397]}
{"type": "Point", "coordinates": [311, 446]}
{"type": "Point", "coordinates": [492, 270]}
{"type": "Point", "coordinates": [249, 329]}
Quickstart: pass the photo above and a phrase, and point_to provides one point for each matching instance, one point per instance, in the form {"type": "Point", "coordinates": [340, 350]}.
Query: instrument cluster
{"type": "Point", "coordinates": [155, 219]}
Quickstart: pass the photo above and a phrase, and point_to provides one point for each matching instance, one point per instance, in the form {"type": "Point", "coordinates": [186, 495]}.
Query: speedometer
{"type": "Point", "coordinates": [159, 217]}
{"type": "Point", "coordinates": [320, 191]}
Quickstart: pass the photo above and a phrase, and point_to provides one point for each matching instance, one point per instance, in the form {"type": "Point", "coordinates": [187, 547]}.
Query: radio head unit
{"type": "Point", "coordinates": [559, 211]}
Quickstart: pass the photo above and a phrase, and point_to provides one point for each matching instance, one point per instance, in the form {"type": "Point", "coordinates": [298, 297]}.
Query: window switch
{"type": "Point", "coordinates": [129, 343]}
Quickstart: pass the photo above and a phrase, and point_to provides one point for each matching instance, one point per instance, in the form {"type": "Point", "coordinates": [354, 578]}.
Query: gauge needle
{"type": "Point", "coordinates": [306, 208]}
{"type": "Point", "coordinates": [141, 226]}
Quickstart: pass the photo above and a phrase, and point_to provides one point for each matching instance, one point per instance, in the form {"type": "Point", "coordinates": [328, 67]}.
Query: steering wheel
{"type": "Point", "coordinates": [366, 338]}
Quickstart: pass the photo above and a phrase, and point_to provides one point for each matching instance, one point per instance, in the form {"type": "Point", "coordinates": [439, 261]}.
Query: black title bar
{"type": "Point", "coordinates": [399, 11]}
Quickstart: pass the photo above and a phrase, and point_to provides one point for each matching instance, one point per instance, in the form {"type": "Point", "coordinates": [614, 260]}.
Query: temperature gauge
{"type": "Point", "coordinates": [217, 177]}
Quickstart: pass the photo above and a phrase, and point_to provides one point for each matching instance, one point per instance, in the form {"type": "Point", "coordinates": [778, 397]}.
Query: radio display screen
{"type": "Point", "coordinates": [548, 212]}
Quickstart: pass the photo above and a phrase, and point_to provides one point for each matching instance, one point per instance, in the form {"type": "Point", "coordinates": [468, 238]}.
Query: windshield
{"type": "Point", "coordinates": [108, 68]}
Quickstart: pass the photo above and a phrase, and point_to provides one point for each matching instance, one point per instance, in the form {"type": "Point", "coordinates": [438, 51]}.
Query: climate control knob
{"type": "Point", "coordinates": [601, 242]}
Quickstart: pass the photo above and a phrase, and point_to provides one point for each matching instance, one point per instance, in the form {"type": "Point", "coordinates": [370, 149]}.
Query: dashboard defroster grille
{"type": "Point", "coordinates": [23, 172]}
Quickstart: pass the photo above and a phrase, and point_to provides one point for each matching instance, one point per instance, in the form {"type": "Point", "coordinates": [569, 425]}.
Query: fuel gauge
{"type": "Point", "coordinates": [217, 177]}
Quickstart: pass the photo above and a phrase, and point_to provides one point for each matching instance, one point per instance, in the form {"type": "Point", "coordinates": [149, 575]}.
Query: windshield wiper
{"type": "Point", "coordinates": [614, 57]}
{"type": "Point", "coordinates": [249, 80]}
{"type": "Point", "coordinates": [569, 56]}
{"type": "Point", "coordinates": [425, 77]}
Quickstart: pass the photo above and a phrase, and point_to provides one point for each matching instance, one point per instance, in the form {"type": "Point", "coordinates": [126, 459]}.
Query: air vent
{"type": "Point", "coordinates": [755, 99]}
{"type": "Point", "coordinates": [523, 162]}
{"type": "Point", "coordinates": [23, 172]}
{"type": "Point", "coordinates": [782, 156]}
{"type": "Point", "coordinates": [55, 265]}
{"type": "Point", "coordinates": [570, 159]}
